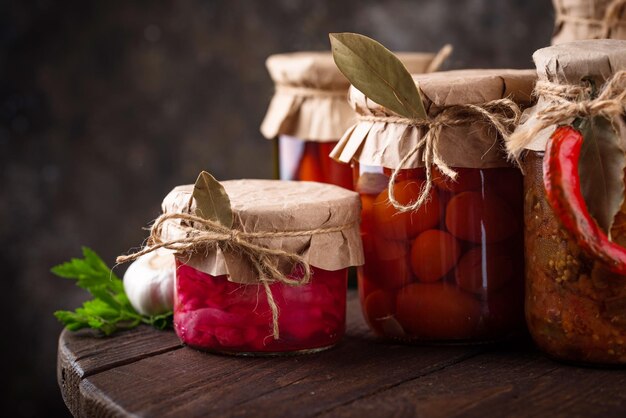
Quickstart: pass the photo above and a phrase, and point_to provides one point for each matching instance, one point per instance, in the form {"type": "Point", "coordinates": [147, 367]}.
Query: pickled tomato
{"type": "Point", "coordinates": [480, 217]}
{"type": "Point", "coordinates": [393, 224]}
{"type": "Point", "coordinates": [437, 311]}
{"type": "Point", "coordinates": [451, 271]}
{"type": "Point", "coordinates": [433, 254]}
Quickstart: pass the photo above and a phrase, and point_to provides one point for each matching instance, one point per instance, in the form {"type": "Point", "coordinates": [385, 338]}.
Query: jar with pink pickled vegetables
{"type": "Point", "coordinates": [272, 282]}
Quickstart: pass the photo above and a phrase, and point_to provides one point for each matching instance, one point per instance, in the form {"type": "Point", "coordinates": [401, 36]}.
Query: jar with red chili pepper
{"type": "Point", "coordinates": [574, 205]}
{"type": "Point", "coordinates": [450, 270]}
{"type": "Point", "coordinates": [309, 113]}
{"type": "Point", "coordinates": [254, 276]}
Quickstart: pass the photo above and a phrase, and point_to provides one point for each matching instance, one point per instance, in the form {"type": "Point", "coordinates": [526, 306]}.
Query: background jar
{"type": "Point", "coordinates": [451, 271]}
{"type": "Point", "coordinates": [574, 306]}
{"type": "Point", "coordinates": [588, 19]}
{"type": "Point", "coordinates": [222, 306]}
{"type": "Point", "coordinates": [309, 112]}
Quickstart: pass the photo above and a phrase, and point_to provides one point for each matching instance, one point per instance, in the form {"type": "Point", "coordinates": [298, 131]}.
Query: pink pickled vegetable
{"type": "Point", "coordinates": [213, 313]}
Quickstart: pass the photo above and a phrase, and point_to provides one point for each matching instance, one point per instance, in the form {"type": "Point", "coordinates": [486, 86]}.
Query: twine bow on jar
{"type": "Point", "coordinates": [502, 115]}
{"type": "Point", "coordinates": [571, 101]}
{"type": "Point", "coordinates": [200, 234]}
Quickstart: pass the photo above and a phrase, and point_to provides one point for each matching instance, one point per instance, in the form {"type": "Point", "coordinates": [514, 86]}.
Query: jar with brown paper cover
{"type": "Point", "coordinates": [309, 112]}
{"type": "Point", "coordinates": [254, 275]}
{"type": "Point", "coordinates": [450, 269]}
{"type": "Point", "coordinates": [588, 19]}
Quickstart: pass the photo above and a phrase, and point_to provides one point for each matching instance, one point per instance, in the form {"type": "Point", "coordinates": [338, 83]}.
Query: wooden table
{"type": "Point", "coordinates": [145, 372]}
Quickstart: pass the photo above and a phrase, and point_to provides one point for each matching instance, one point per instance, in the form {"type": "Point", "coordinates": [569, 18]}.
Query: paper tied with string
{"type": "Point", "coordinates": [268, 206]}
{"type": "Point", "coordinates": [376, 140]}
{"type": "Point", "coordinates": [310, 99]}
{"type": "Point", "coordinates": [588, 19]}
{"type": "Point", "coordinates": [568, 66]}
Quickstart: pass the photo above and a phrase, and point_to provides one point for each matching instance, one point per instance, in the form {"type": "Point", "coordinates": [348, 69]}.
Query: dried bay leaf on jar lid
{"type": "Point", "coordinates": [278, 206]}
{"type": "Point", "coordinates": [310, 101]}
{"type": "Point", "coordinates": [376, 140]}
{"type": "Point", "coordinates": [211, 200]}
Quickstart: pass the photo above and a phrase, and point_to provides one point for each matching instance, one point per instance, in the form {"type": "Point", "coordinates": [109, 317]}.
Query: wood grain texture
{"type": "Point", "coordinates": [505, 381]}
{"type": "Point", "coordinates": [81, 354]}
{"type": "Point", "coordinates": [147, 373]}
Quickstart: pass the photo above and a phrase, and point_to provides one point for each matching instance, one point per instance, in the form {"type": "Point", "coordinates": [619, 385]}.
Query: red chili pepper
{"type": "Point", "coordinates": [562, 183]}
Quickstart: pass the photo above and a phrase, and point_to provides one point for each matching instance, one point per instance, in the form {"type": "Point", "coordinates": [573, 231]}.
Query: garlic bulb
{"type": "Point", "coordinates": [149, 283]}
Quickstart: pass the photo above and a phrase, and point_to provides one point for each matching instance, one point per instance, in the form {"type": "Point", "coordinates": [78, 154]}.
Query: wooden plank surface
{"type": "Point", "coordinates": [145, 372]}
{"type": "Point", "coordinates": [81, 354]}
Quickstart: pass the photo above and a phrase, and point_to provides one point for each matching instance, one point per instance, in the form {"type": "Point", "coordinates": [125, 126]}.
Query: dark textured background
{"type": "Point", "coordinates": [105, 106]}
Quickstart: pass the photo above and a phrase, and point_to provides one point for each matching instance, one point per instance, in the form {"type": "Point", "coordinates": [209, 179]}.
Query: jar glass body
{"type": "Point", "coordinates": [212, 313]}
{"type": "Point", "coordinates": [452, 271]}
{"type": "Point", "coordinates": [575, 309]}
{"type": "Point", "coordinates": [309, 161]}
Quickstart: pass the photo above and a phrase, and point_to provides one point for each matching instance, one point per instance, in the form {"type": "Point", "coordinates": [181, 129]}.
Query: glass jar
{"type": "Point", "coordinates": [309, 161]}
{"type": "Point", "coordinates": [309, 112]}
{"type": "Point", "coordinates": [213, 313]}
{"type": "Point", "coordinates": [241, 289]}
{"type": "Point", "coordinates": [575, 309]}
{"type": "Point", "coordinates": [452, 271]}
{"type": "Point", "coordinates": [588, 19]}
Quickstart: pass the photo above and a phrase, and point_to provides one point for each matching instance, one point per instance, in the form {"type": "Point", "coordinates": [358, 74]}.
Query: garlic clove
{"type": "Point", "coordinates": [149, 283]}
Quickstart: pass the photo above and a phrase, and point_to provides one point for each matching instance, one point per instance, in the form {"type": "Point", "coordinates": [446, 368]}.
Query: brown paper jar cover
{"type": "Point", "coordinates": [310, 101]}
{"type": "Point", "coordinates": [568, 64]}
{"type": "Point", "coordinates": [384, 144]}
{"type": "Point", "coordinates": [588, 19]}
{"type": "Point", "coordinates": [271, 205]}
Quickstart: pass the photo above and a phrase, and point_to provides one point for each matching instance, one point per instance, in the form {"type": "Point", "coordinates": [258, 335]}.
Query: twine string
{"type": "Point", "coordinates": [439, 58]}
{"type": "Point", "coordinates": [201, 234]}
{"type": "Point", "coordinates": [571, 101]}
{"type": "Point", "coordinates": [502, 114]}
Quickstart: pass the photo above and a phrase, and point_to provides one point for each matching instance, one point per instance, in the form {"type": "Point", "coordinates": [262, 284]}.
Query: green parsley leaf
{"type": "Point", "coordinates": [109, 310]}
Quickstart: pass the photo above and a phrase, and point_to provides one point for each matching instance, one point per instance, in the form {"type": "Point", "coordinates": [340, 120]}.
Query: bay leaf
{"type": "Point", "coordinates": [377, 73]}
{"type": "Point", "coordinates": [601, 170]}
{"type": "Point", "coordinates": [212, 202]}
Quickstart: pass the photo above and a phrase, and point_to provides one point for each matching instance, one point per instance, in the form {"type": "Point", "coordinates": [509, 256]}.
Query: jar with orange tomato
{"type": "Point", "coordinates": [451, 268]}
{"type": "Point", "coordinates": [309, 112]}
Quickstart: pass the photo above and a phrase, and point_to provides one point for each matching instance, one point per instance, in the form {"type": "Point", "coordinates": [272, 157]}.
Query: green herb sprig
{"type": "Point", "coordinates": [109, 310]}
